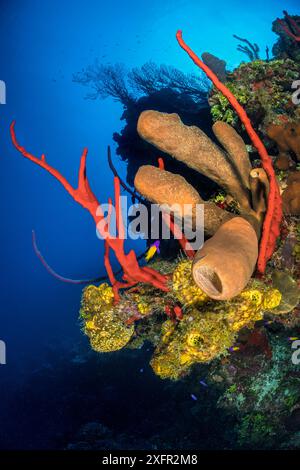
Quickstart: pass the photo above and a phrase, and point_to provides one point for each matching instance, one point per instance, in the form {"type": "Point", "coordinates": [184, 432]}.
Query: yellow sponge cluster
{"type": "Point", "coordinates": [250, 306]}
{"type": "Point", "coordinates": [105, 329]}
{"type": "Point", "coordinates": [184, 287]}
{"type": "Point", "coordinates": [199, 337]}
{"type": "Point", "coordinates": [209, 330]}
{"type": "Point", "coordinates": [95, 299]}
{"type": "Point", "coordinates": [206, 331]}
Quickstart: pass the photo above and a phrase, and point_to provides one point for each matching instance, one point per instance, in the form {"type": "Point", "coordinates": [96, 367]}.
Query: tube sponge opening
{"type": "Point", "coordinates": [209, 281]}
{"type": "Point", "coordinates": [224, 265]}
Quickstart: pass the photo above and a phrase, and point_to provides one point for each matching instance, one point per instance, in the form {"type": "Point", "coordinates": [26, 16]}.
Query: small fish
{"type": "Point", "coordinates": [203, 383]}
{"type": "Point", "coordinates": [193, 397]}
{"type": "Point", "coordinates": [154, 248]}
{"type": "Point", "coordinates": [141, 370]}
{"type": "Point", "coordinates": [234, 348]}
{"type": "Point", "coordinates": [293, 338]}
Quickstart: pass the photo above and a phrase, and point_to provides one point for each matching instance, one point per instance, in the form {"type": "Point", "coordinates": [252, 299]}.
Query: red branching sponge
{"type": "Point", "coordinates": [287, 26]}
{"type": "Point", "coordinates": [161, 163]}
{"type": "Point", "coordinates": [271, 225]}
{"type": "Point", "coordinates": [83, 194]}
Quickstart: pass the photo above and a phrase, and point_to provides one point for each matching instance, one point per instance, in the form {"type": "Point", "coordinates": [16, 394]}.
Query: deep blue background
{"type": "Point", "coordinates": [42, 44]}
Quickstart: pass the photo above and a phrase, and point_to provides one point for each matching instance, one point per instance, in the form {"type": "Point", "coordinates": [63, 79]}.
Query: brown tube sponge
{"type": "Point", "coordinates": [291, 195]}
{"type": "Point", "coordinates": [260, 186]}
{"type": "Point", "coordinates": [190, 145]}
{"type": "Point", "coordinates": [225, 263]}
{"type": "Point", "coordinates": [163, 187]}
{"type": "Point", "coordinates": [287, 137]}
{"type": "Point", "coordinates": [214, 217]}
{"type": "Point", "coordinates": [236, 149]}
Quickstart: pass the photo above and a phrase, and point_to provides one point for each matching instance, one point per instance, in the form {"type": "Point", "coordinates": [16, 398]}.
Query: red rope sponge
{"type": "Point", "coordinates": [133, 273]}
{"type": "Point", "coordinates": [273, 217]}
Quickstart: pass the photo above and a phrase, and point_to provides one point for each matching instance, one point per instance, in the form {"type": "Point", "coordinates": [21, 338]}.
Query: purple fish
{"type": "Point", "coordinates": [193, 397]}
{"type": "Point", "coordinates": [157, 244]}
{"type": "Point", "coordinates": [203, 383]}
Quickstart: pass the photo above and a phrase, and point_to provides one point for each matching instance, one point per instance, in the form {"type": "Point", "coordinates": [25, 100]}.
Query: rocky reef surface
{"type": "Point", "coordinates": [221, 324]}
{"type": "Point", "coordinates": [238, 345]}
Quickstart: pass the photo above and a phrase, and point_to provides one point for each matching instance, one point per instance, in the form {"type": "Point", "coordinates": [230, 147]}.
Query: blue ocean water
{"type": "Point", "coordinates": [42, 45]}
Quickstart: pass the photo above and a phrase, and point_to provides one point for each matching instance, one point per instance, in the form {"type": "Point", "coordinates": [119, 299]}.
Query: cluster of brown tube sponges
{"type": "Point", "coordinates": [224, 265]}
{"type": "Point", "coordinates": [228, 166]}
